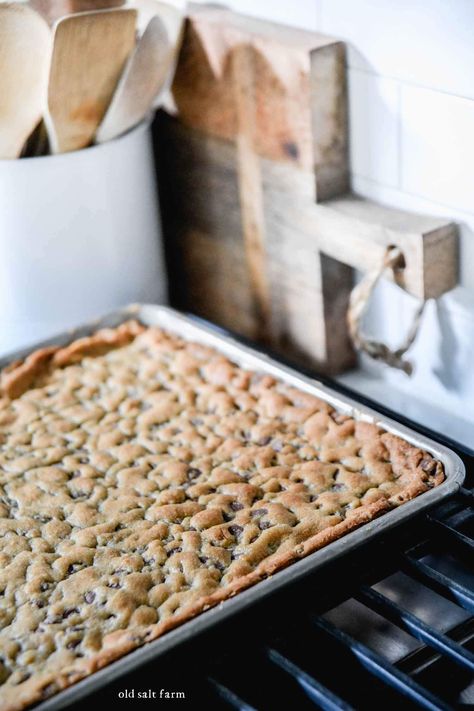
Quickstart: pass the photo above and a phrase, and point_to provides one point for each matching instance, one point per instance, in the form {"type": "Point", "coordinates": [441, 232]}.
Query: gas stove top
{"type": "Point", "coordinates": [388, 625]}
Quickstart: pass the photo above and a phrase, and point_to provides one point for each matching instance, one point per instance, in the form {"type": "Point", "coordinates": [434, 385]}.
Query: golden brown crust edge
{"type": "Point", "coordinates": [17, 378]}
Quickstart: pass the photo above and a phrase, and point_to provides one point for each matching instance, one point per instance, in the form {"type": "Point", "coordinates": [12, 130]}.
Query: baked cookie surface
{"type": "Point", "coordinates": [145, 478]}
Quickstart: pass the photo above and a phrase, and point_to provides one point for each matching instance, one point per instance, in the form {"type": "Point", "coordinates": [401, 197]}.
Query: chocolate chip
{"type": "Point", "coordinates": [235, 530]}
{"type": "Point", "coordinates": [73, 644]}
{"type": "Point", "coordinates": [264, 524]}
{"type": "Point", "coordinates": [77, 495]}
{"type": "Point", "coordinates": [428, 465]}
{"type": "Point", "coordinates": [113, 585]}
{"type": "Point", "coordinates": [291, 149]}
{"type": "Point", "coordinates": [89, 597]}
{"type": "Point", "coordinates": [219, 565]}
{"type": "Point", "coordinates": [38, 603]}
{"type": "Point", "coordinates": [69, 611]}
{"type": "Point", "coordinates": [337, 487]}
{"type": "Point", "coordinates": [236, 505]}
{"type": "Point", "coordinates": [203, 559]}
{"type": "Point", "coordinates": [258, 512]}
{"type": "Point", "coordinates": [48, 690]}
{"type": "Point", "coordinates": [263, 441]}
{"type": "Point", "coordinates": [193, 473]}
{"type": "Point", "coordinates": [175, 550]}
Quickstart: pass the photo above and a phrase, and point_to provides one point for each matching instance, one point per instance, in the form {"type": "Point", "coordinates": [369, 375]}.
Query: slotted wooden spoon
{"type": "Point", "coordinates": [25, 53]}
{"type": "Point", "coordinates": [142, 80]}
{"type": "Point", "coordinates": [89, 54]}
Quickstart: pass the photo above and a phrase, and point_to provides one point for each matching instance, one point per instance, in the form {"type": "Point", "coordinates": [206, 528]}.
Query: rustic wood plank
{"type": "Point", "coordinates": [250, 181]}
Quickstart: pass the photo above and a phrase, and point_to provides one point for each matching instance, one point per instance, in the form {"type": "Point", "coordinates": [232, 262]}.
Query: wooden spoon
{"type": "Point", "coordinates": [173, 15]}
{"type": "Point", "coordinates": [89, 54]}
{"type": "Point", "coordinates": [25, 54]}
{"type": "Point", "coordinates": [142, 80]}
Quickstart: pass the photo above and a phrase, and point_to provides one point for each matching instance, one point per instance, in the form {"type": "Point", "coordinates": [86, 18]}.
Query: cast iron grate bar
{"type": "Point", "coordinates": [467, 493]}
{"type": "Point", "coordinates": [455, 536]}
{"type": "Point", "coordinates": [415, 626]}
{"type": "Point", "coordinates": [230, 697]}
{"type": "Point", "coordinates": [326, 699]}
{"type": "Point", "coordinates": [382, 669]}
{"type": "Point", "coordinates": [437, 581]}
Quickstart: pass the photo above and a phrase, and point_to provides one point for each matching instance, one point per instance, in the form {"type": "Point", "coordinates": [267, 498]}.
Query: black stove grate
{"type": "Point", "coordinates": [448, 649]}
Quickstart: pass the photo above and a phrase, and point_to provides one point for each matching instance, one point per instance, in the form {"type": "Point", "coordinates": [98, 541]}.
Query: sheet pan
{"type": "Point", "coordinates": [194, 330]}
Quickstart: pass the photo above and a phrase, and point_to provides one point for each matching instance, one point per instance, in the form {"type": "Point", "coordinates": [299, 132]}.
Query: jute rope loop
{"type": "Point", "coordinates": [358, 303]}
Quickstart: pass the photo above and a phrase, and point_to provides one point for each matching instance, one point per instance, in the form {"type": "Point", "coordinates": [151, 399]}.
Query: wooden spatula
{"type": "Point", "coordinates": [89, 54]}
{"type": "Point", "coordinates": [142, 80]}
{"type": "Point", "coordinates": [173, 14]}
{"type": "Point", "coordinates": [53, 10]}
{"type": "Point", "coordinates": [25, 53]}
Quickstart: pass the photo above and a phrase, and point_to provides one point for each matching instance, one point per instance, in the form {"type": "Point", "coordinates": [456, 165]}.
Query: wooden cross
{"type": "Point", "coordinates": [261, 230]}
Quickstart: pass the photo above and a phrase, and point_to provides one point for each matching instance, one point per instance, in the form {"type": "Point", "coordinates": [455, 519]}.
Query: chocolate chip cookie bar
{"type": "Point", "coordinates": [145, 478]}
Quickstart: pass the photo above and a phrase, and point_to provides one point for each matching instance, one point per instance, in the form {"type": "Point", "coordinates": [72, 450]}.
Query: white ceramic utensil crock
{"type": "Point", "coordinates": [79, 234]}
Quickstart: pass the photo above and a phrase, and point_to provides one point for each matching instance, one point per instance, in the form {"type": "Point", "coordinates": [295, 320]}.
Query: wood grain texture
{"type": "Point", "coordinates": [89, 56]}
{"type": "Point", "coordinates": [244, 78]}
{"type": "Point", "coordinates": [25, 53]}
{"type": "Point", "coordinates": [261, 230]}
{"type": "Point", "coordinates": [285, 99]}
{"type": "Point", "coordinates": [144, 76]}
{"type": "Point", "coordinates": [208, 261]}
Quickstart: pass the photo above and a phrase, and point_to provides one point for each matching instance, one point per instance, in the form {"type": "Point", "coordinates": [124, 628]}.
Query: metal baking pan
{"type": "Point", "coordinates": [248, 358]}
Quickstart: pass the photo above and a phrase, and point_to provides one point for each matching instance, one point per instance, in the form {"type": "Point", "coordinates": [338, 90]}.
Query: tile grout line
{"type": "Point", "coordinates": [458, 211]}
{"type": "Point", "coordinates": [407, 82]}
{"type": "Point", "coordinates": [399, 136]}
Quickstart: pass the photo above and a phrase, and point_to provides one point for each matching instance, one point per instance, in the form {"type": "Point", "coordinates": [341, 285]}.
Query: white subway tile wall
{"type": "Point", "coordinates": [374, 140]}
{"type": "Point", "coordinates": [423, 42]}
{"type": "Point", "coordinates": [411, 93]}
{"type": "Point", "coordinates": [437, 146]}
